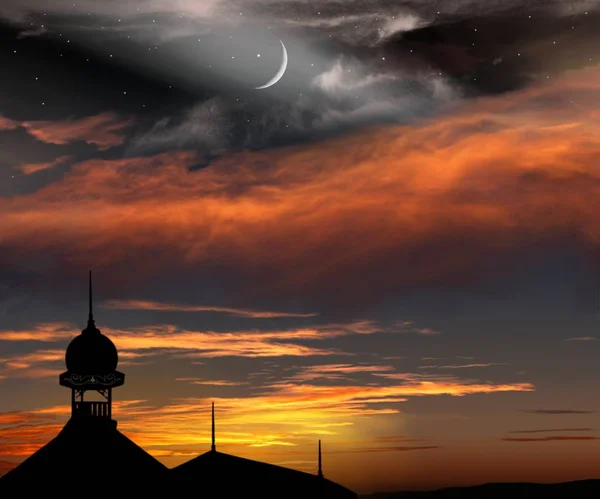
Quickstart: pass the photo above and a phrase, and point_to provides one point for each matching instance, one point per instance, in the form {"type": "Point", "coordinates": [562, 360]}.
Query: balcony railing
{"type": "Point", "coordinates": [96, 409]}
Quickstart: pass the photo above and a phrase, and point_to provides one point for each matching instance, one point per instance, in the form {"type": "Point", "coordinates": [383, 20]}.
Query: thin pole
{"type": "Point", "coordinates": [90, 316]}
{"type": "Point", "coordinates": [213, 446]}
{"type": "Point", "coordinates": [320, 462]}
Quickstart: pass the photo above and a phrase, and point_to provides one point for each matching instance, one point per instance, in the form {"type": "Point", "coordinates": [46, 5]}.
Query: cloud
{"type": "Point", "coordinates": [43, 332]}
{"type": "Point", "coordinates": [369, 23]}
{"type": "Point", "coordinates": [282, 415]}
{"type": "Point", "coordinates": [169, 307]}
{"type": "Point", "coordinates": [367, 28]}
{"type": "Point", "coordinates": [33, 32]}
{"type": "Point", "coordinates": [6, 466]}
{"type": "Point", "coordinates": [187, 344]}
{"type": "Point", "coordinates": [581, 338]}
{"type": "Point", "coordinates": [209, 123]}
{"type": "Point", "coordinates": [335, 371]}
{"type": "Point", "coordinates": [30, 168]}
{"type": "Point", "coordinates": [199, 381]}
{"type": "Point", "coordinates": [104, 130]}
{"type": "Point", "coordinates": [253, 221]}
{"type": "Point", "coordinates": [464, 366]}
{"type": "Point", "coordinates": [558, 411]}
{"type": "Point", "coordinates": [386, 449]}
{"type": "Point", "coordinates": [343, 78]}
{"type": "Point", "coordinates": [41, 363]}
{"type": "Point", "coordinates": [552, 430]}
{"type": "Point", "coordinates": [8, 124]}
{"type": "Point", "coordinates": [137, 343]}
{"type": "Point", "coordinates": [549, 439]}
{"type": "Point", "coordinates": [348, 95]}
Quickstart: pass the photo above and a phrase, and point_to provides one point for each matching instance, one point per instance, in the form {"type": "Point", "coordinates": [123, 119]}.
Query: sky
{"type": "Point", "coordinates": [394, 249]}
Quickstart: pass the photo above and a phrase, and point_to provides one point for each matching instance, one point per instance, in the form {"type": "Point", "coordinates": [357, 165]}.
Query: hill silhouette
{"type": "Point", "coordinates": [581, 489]}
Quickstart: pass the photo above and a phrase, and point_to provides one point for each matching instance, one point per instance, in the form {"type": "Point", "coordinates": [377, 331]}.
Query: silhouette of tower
{"type": "Point", "coordinates": [89, 446]}
{"type": "Point", "coordinates": [320, 472]}
{"type": "Point", "coordinates": [213, 447]}
{"type": "Point", "coordinates": [91, 360]}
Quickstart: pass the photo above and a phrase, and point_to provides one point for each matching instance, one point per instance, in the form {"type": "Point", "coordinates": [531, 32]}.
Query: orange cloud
{"type": "Point", "coordinates": [282, 415]}
{"type": "Point", "coordinates": [45, 332]}
{"type": "Point", "coordinates": [336, 371]}
{"type": "Point", "coordinates": [104, 130]}
{"type": "Point", "coordinates": [28, 169]}
{"type": "Point", "coordinates": [8, 124]}
{"type": "Point", "coordinates": [35, 364]}
{"type": "Point", "coordinates": [169, 307]}
{"type": "Point", "coordinates": [165, 338]}
{"type": "Point", "coordinates": [345, 219]}
{"type": "Point", "coordinates": [198, 381]}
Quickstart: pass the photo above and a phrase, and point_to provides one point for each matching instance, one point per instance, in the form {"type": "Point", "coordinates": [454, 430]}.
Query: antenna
{"type": "Point", "coordinates": [213, 446]}
{"type": "Point", "coordinates": [320, 473]}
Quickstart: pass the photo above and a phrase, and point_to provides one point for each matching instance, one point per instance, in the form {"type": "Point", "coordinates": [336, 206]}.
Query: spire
{"type": "Point", "coordinates": [213, 447]}
{"type": "Point", "coordinates": [90, 315]}
{"type": "Point", "coordinates": [320, 472]}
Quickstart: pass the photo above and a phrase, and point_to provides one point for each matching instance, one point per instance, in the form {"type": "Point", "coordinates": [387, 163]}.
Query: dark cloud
{"type": "Point", "coordinates": [351, 65]}
{"type": "Point", "coordinates": [549, 439]}
{"type": "Point", "coordinates": [558, 411]}
{"type": "Point", "coordinates": [552, 430]}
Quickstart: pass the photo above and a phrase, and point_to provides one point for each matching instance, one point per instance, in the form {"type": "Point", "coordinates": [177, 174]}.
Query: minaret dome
{"type": "Point", "coordinates": [91, 352]}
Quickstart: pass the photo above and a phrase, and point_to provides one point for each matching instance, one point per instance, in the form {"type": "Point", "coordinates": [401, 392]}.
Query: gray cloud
{"type": "Point", "coordinates": [346, 95]}
{"type": "Point", "coordinates": [374, 22]}
{"type": "Point", "coordinates": [339, 77]}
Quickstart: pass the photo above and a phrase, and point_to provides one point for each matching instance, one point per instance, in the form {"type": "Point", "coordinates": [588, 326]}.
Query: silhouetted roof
{"type": "Point", "coordinates": [88, 453]}
{"type": "Point", "coordinates": [232, 476]}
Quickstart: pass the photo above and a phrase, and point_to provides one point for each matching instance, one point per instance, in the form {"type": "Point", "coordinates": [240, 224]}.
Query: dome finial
{"type": "Point", "coordinates": [90, 315]}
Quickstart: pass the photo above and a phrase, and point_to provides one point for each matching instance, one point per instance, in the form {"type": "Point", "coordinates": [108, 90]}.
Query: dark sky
{"type": "Point", "coordinates": [393, 248]}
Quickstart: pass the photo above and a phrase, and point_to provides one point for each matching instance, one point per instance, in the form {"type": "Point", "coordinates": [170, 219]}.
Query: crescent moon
{"type": "Point", "coordinates": [279, 73]}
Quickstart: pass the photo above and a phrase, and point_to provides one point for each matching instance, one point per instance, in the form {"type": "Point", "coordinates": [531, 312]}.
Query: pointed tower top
{"type": "Point", "coordinates": [213, 446]}
{"type": "Point", "coordinates": [90, 315]}
{"type": "Point", "coordinates": [320, 472]}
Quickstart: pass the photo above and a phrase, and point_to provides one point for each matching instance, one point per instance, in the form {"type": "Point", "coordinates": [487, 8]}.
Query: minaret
{"type": "Point", "coordinates": [91, 360]}
{"type": "Point", "coordinates": [320, 472]}
{"type": "Point", "coordinates": [213, 447]}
